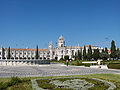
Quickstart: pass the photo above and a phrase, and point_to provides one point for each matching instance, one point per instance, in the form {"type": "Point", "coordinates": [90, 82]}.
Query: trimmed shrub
{"type": "Point", "coordinates": [114, 65]}
{"type": "Point", "coordinates": [87, 65]}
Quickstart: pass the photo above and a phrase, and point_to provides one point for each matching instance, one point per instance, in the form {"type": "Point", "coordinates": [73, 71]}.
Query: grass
{"type": "Point", "coordinates": [114, 78]}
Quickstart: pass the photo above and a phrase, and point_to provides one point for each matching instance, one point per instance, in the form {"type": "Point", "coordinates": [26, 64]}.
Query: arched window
{"type": "Point", "coordinates": [41, 58]}
{"type": "Point", "coordinates": [61, 45]}
{"type": "Point", "coordinates": [62, 51]}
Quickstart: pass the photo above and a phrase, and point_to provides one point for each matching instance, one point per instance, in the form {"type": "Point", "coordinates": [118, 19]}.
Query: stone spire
{"type": "Point", "coordinates": [61, 38]}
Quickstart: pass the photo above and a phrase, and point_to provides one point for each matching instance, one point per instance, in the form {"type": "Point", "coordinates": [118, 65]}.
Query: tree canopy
{"type": "Point", "coordinates": [96, 54]}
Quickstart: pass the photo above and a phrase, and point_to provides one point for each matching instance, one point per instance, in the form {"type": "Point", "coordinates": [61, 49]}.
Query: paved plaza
{"type": "Point", "coordinates": [50, 70]}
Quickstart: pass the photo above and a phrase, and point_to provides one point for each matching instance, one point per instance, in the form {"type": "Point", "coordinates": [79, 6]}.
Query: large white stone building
{"type": "Point", "coordinates": [44, 54]}
{"type": "Point", "coordinates": [62, 50]}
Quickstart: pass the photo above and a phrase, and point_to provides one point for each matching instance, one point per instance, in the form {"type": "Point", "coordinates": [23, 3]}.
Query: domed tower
{"type": "Point", "coordinates": [61, 42]}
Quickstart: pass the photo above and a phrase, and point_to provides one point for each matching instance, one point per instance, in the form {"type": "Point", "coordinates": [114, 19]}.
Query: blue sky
{"type": "Point", "coordinates": [26, 23]}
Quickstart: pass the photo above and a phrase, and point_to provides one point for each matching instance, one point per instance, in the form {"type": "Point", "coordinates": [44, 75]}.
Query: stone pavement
{"type": "Point", "coordinates": [50, 70]}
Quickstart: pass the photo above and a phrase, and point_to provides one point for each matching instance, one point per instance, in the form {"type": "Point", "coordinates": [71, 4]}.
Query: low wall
{"type": "Point", "coordinates": [102, 66]}
{"type": "Point", "coordinates": [24, 62]}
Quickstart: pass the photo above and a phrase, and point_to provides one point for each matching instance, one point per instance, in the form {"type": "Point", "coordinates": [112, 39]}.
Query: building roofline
{"type": "Point", "coordinates": [26, 49]}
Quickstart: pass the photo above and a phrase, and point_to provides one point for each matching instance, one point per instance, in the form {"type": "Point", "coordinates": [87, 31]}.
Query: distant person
{"type": "Point", "coordinates": [99, 62]}
{"type": "Point", "coordinates": [67, 62]}
{"type": "Point", "coordinates": [70, 62]}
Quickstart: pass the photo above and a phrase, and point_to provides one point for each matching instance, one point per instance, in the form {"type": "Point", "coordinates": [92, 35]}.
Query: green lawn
{"type": "Point", "coordinates": [114, 78]}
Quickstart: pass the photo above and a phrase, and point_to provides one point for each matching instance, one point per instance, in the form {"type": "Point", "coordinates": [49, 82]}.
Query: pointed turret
{"type": "Point", "coordinates": [61, 38]}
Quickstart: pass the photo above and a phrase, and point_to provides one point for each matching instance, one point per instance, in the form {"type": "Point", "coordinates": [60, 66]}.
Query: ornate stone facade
{"type": "Point", "coordinates": [44, 54]}
{"type": "Point", "coordinates": [61, 50]}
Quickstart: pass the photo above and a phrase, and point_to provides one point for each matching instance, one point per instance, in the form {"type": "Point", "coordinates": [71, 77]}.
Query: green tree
{"type": "Point", "coordinates": [84, 53]}
{"type": "Point", "coordinates": [37, 56]}
{"type": "Point", "coordinates": [9, 53]}
{"type": "Point", "coordinates": [66, 57]}
{"type": "Point", "coordinates": [118, 53]}
{"type": "Point", "coordinates": [89, 55]}
{"type": "Point", "coordinates": [75, 56]}
{"type": "Point", "coordinates": [106, 50]}
{"type": "Point", "coordinates": [113, 50]}
{"type": "Point", "coordinates": [104, 54]}
{"type": "Point", "coordinates": [79, 56]}
{"type": "Point", "coordinates": [103, 51]}
{"type": "Point", "coordinates": [96, 54]}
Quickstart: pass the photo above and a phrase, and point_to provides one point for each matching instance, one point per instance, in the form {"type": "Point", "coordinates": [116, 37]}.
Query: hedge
{"type": "Point", "coordinates": [114, 65]}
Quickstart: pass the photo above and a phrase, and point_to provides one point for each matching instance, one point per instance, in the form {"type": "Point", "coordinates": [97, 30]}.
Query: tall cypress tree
{"type": "Point", "coordinates": [84, 53]}
{"type": "Point", "coordinates": [9, 53]}
{"type": "Point", "coordinates": [37, 56]}
{"type": "Point", "coordinates": [113, 50]}
{"type": "Point", "coordinates": [89, 55]}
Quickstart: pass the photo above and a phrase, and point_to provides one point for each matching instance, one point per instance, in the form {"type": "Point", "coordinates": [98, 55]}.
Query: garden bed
{"type": "Point", "coordinates": [72, 84]}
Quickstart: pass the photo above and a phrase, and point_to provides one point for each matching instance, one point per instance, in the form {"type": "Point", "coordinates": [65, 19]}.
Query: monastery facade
{"type": "Point", "coordinates": [44, 54]}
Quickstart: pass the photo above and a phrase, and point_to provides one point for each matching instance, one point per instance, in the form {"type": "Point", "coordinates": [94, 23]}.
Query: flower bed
{"type": "Point", "coordinates": [72, 84]}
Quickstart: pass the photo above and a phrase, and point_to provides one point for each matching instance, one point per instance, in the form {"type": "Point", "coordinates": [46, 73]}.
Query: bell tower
{"type": "Point", "coordinates": [61, 42]}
